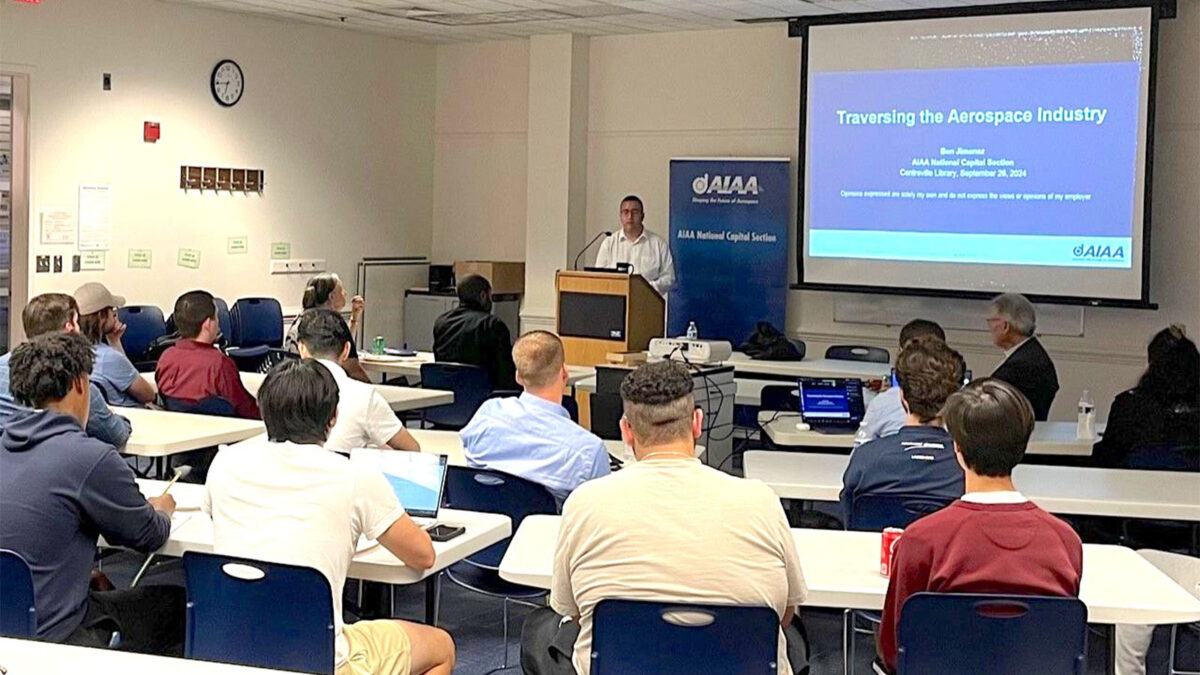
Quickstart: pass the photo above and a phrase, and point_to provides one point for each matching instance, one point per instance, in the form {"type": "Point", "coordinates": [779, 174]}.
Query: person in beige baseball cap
{"type": "Point", "coordinates": [116, 376]}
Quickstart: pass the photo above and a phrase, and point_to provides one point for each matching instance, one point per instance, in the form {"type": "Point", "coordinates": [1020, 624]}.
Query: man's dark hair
{"type": "Point", "coordinates": [324, 332]}
{"type": "Point", "coordinates": [990, 421]}
{"type": "Point", "coordinates": [48, 313]}
{"type": "Point", "coordinates": [928, 372]}
{"type": "Point", "coordinates": [192, 309]}
{"type": "Point", "coordinates": [658, 402]}
{"type": "Point", "coordinates": [920, 328]}
{"type": "Point", "coordinates": [475, 292]}
{"type": "Point", "coordinates": [297, 400]}
{"type": "Point", "coordinates": [635, 198]}
{"type": "Point", "coordinates": [42, 370]}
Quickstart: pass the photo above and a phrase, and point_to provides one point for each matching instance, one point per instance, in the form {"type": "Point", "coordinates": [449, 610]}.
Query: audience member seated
{"type": "Point", "coordinates": [993, 540]}
{"type": "Point", "coordinates": [193, 369]}
{"type": "Point", "coordinates": [470, 334]}
{"type": "Point", "coordinates": [919, 460]}
{"type": "Point", "coordinates": [532, 435]}
{"type": "Point", "coordinates": [60, 490]}
{"type": "Point", "coordinates": [325, 291]}
{"type": "Point", "coordinates": [885, 415]}
{"type": "Point", "coordinates": [364, 419]}
{"type": "Point", "coordinates": [1162, 410]}
{"type": "Point", "coordinates": [287, 499]}
{"type": "Point", "coordinates": [120, 382]}
{"type": "Point", "coordinates": [665, 528]}
{"type": "Point", "coordinates": [58, 313]}
{"type": "Point", "coordinates": [1026, 365]}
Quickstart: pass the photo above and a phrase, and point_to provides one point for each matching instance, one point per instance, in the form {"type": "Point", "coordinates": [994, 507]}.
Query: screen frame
{"type": "Point", "coordinates": [798, 28]}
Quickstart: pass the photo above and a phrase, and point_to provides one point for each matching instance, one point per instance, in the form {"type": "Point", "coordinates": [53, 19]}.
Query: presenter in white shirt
{"type": "Point", "coordinates": [647, 253]}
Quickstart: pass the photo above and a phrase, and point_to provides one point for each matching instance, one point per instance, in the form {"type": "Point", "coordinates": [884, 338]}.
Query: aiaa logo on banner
{"type": "Point", "coordinates": [725, 185]}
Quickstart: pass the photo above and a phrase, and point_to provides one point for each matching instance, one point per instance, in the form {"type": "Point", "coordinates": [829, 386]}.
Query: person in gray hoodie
{"type": "Point", "coordinates": [60, 490]}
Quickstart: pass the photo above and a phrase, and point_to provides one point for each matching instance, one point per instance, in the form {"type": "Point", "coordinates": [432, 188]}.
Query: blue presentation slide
{"type": "Point", "coordinates": [1029, 165]}
{"type": "Point", "coordinates": [413, 495]}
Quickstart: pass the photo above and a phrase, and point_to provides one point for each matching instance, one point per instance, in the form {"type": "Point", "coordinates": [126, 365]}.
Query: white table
{"type": "Point", "coordinates": [745, 367]}
{"type": "Point", "coordinates": [1122, 493]}
{"type": "Point", "coordinates": [398, 398]}
{"type": "Point", "coordinates": [842, 571]}
{"type": "Point", "coordinates": [1048, 438]}
{"type": "Point", "coordinates": [449, 443]}
{"type": "Point", "coordinates": [192, 530]}
{"type": "Point", "coordinates": [158, 433]}
{"type": "Point", "coordinates": [31, 657]}
{"type": "Point", "coordinates": [410, 366]}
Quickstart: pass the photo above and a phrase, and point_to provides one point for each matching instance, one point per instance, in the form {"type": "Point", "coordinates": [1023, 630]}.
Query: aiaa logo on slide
{"type": "Point", "coordinates": [725, 185]}
{"type": "Point", "coordinates": [1097, 252]}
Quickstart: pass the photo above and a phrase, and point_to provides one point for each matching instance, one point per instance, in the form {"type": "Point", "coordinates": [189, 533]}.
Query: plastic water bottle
{"type": "Point", "coordinates": [692, 332]}
{"type": "Point", "coordinates": [1085, 427]}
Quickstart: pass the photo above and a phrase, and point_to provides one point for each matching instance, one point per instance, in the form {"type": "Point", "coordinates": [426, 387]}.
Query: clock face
{"type": "Point", "coordinates": [227, 83]}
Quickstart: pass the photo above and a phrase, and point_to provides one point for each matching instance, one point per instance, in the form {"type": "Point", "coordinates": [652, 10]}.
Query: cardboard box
{"type": "Point", "coordinates": [505, 277]}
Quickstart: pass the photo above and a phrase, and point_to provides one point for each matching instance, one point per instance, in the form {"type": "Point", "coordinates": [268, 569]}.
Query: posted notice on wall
{"type": "Point", "coordinates": [95, 216]}
{"type": "Point", "coordinates": [58, 225]}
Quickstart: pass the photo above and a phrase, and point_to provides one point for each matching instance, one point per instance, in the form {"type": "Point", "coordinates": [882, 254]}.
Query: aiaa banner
{"type": "Point", "coordinates": [729, 224]}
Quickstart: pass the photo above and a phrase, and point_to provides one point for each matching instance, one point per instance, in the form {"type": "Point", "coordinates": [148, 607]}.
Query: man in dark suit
{"type": "Point", "coordinates": [1026, 364]}
{"type": "Point", "coordinates": [470, 334]}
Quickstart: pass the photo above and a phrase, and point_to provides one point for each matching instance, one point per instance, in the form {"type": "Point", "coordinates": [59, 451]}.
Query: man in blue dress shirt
{"type": "Point", "coordinates": [885, 415]}
{"type": "Point", "coordinates": [919, 460]}
{"type": "Point", "coordinates": [532, 436]}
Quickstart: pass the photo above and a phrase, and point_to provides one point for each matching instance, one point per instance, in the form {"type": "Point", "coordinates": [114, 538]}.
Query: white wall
{"type": "Point", "coordinates": [480, 151]}
{"type": "Point", "coordinates": [736, 92]}
{"type": "Point", "coordinates": [341, 122]}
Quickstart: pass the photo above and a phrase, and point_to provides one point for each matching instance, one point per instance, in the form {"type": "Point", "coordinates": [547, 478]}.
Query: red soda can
{"type": "Point", "coordinates": [887, 547]}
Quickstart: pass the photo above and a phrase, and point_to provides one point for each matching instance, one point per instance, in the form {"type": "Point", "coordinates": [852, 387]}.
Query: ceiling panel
{"type": "Point", "coordinates": [473, 20]}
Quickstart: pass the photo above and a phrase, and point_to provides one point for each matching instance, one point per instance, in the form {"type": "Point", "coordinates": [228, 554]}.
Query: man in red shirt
{"type": "Point", "coordinates": [193, 369]}
{"type": "Point", "coordinates": [993, 539]}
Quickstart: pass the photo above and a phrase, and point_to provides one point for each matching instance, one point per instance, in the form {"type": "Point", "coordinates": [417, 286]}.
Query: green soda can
{"type": "Point", "coordinates": [380, 344]}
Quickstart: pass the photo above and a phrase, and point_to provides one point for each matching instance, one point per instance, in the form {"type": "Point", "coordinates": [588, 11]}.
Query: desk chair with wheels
{"type": "Point", "coordinates": [858, 353]}
{"type": "Point", "coordinates": [873, 513]}
{"type": "Point", "coordinates": [144, 325]}
{"type": "Point", "coordinates": [992, 635]}
{"type": "Point", "coordinates": [253, 613]}
{"type": "Point", "coordinates": [18, 617]}
{"type": "Point", "coordinates": [637, 636]}
{"type": "Point", "coordinates": [471, 388]}
{"type": "Point", "coordinates": [489, 491]}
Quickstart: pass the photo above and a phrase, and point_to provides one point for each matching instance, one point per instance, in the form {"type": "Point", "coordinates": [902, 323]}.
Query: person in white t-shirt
{"type": "Point", "coordinates": [665, 528]}
{"type": "Point", "coordinates": [364, 418]}
{"type": "Point", "coordinates": [647, 253]}
{"type": "Point", "coordinates": [289, 500]}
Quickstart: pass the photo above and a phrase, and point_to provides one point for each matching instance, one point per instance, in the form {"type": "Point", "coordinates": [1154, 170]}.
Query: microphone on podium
{"type": "Point", "coordinates": [575, 265]}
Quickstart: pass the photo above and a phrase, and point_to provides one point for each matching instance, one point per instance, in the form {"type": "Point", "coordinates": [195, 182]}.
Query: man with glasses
{"type": "Point", "coordinates": [1026, 365]}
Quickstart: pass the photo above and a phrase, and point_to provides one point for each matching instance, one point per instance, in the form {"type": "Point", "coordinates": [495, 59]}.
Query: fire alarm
{"type": "Point", "coordinates": [150, 132]}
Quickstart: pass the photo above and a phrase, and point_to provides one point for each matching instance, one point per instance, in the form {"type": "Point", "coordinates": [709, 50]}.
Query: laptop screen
{"type": "Point", "coordinates": [831, 400]}
{"type": "Point", "coordinates": [417, 478]}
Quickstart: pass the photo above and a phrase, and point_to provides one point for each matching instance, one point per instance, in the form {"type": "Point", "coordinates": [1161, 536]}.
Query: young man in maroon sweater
{"type": "Point", "coordinates": [993, 540]}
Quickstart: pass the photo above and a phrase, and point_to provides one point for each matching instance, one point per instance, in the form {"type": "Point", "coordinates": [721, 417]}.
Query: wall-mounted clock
{"type": "Point", "coordinates": [227, 83]}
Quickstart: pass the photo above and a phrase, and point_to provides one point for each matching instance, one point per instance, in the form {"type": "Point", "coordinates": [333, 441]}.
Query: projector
{"type": "Point", "coordinates": [695, 351]}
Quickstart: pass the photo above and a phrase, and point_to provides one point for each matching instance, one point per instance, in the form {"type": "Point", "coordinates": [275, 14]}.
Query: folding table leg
{"type": "Point", "coordinates": [433, 591]}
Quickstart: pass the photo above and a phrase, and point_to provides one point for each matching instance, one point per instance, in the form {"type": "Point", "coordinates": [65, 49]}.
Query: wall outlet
{"type": "Point", "coordinates": [57, 264]}
{"type": "Point", "coordinates": [43, 264]}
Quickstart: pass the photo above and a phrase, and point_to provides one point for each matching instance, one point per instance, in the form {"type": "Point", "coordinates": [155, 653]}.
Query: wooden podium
{"type": "Point", "coordinates": [601, 312]}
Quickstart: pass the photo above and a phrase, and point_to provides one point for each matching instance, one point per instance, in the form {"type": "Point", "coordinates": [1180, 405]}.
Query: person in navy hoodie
{"type": "Point", "coordinates": [60, 490]}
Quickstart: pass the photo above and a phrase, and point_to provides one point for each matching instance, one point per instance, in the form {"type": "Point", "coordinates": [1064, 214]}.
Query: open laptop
{"type": "Point", "coordinates": [832, 405]}
{"type": "Point", "coordinates": [417, 478]}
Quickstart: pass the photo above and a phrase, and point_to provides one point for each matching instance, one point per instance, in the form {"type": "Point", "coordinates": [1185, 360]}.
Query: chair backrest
{"type": "Point", "coordinates": [490, 491]}
{"type": "Point", "coordinates": [858, 353]}
{"type": "Point", "coordinates": [606, 411]}
{"type": "Point", "coordinates": [256, 322]}
{"type": "Point", "coordinates": [992, 635]}
{"type": "Point", "coordinates": [471, 388]}
{"type": "Point", "coordinates": [224, 319]}
{"type": "Point", "coordinates": [18, 618]}
{"type": "Point", "coordinates": [212, 405]}
{"type": "Point", "coordinates": [779, 397]}
{"type": "Point", "coordinates": [872, 513]}
{"type": "Point", "coordinates": [145, 324]}
{"type": "Point", "coordinates": [636, 636]}
{"type": "Point", "coordinates": [1164, 457]}
{"type": "Point", "coordinates": [260, 614]}
{"type": "Point", "coordinates": [572, 407]}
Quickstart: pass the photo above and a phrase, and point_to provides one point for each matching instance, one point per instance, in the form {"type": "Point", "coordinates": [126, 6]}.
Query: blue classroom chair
{"type": "Point", "coordinates": [18, 617]}
{"type": "Point", "coordinates": [145, 324]}
{"type": "Point", "coordinates": [992, 635]}
{"type": "Point", "coordinates": [254, 613]}
{"type": "Point", "coordinates": [471, 388]}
